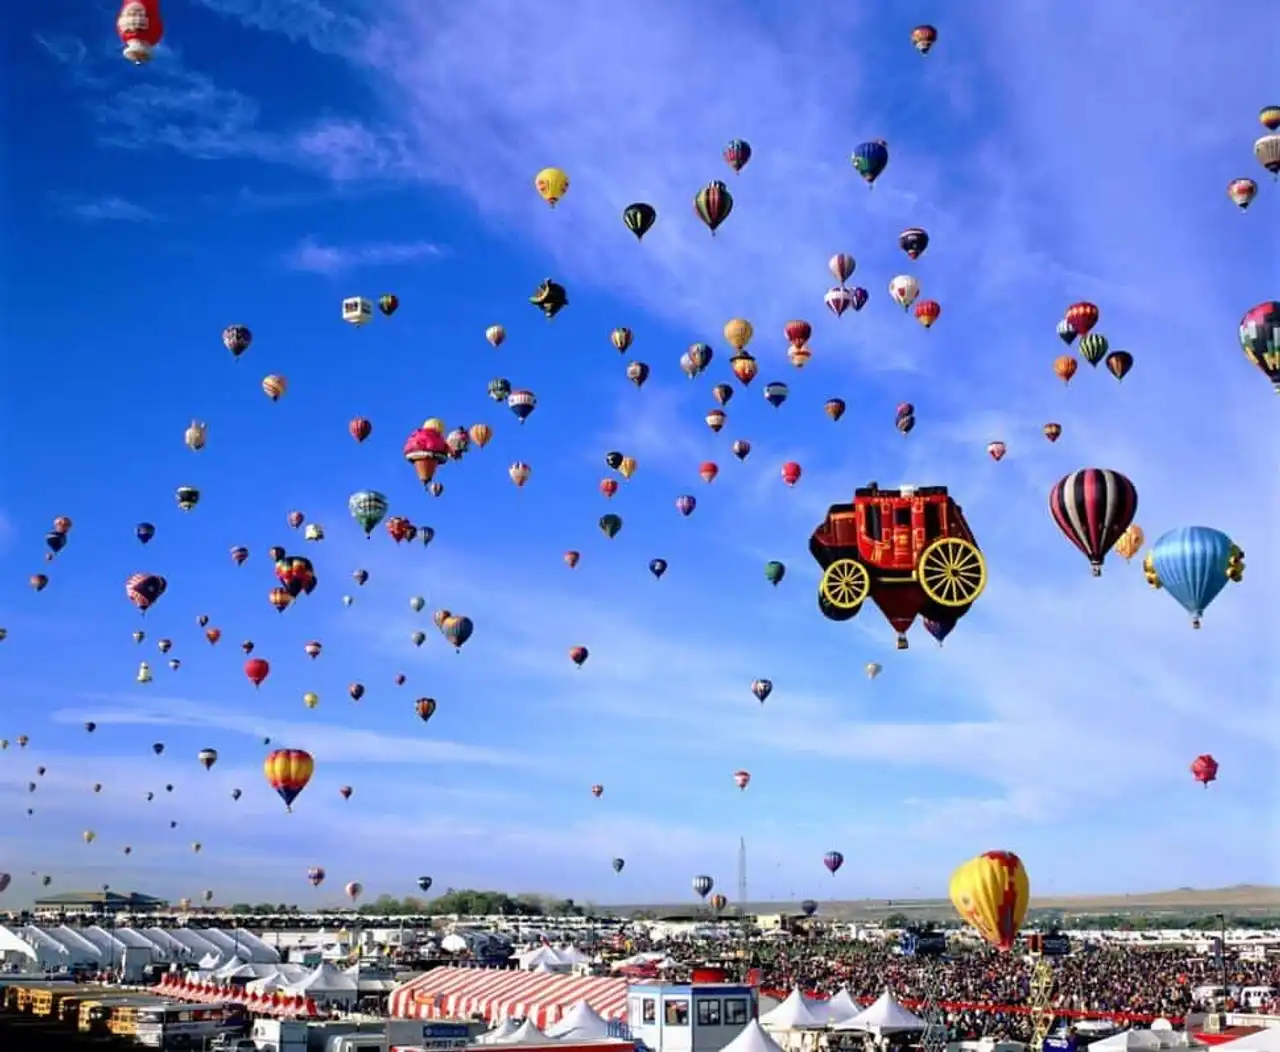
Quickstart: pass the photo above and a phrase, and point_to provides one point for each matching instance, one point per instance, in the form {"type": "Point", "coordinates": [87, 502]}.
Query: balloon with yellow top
{"type": "Point", "coordinates": [552, 184]}
{"type": "Point", "coordinates": [991, 892]}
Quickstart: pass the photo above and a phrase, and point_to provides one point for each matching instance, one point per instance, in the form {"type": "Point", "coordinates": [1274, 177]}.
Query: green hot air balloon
{"type": "Point", "coordinates": [367, 507]}
{"type": "Point", "coordinates": [610, 525]}
{"type": "Point", "coordinates": [639, 218]}
{"type": "Point", "coordinates": [774, 572]}
{"type": "Point", "coordinates": [1093, 347]}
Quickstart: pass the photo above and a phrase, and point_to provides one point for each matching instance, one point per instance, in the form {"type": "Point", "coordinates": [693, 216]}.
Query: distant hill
{"type": "Point", "coordinates": [1240, 899]}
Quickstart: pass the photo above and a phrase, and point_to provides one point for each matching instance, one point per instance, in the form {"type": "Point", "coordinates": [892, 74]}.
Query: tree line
{"type": "Point", "coordinates": [460, 901]}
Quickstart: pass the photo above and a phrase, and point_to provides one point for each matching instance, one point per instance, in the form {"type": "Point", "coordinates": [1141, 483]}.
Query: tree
{"type": "Point", "coordinates": [897, 920]}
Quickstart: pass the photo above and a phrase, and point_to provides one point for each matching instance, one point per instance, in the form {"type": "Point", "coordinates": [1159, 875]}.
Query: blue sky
{"type": "Point", "coordinates": [278, 156]}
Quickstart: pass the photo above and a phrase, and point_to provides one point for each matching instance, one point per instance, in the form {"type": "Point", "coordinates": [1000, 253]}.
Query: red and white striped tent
{"type": "Point", "coordinates": [459, 993]}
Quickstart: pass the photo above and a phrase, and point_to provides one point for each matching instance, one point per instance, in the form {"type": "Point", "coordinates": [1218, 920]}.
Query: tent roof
{"type": "Point", "coordinates": [525, 1034]}
{"type": "Point", "coordinates": [580, 1023]}
{"type": "Point", "coordinates": [884, 1016]}
{"type": "Point", "coordinates": [793, 1014]}
{"type": "Point", "coordinates": [752, 1038]}
{"type": "Point", "coordinates": [842, 1007]}
{"type": "Point", "coordinates": [505, 1028]}
{"type": "Point", "coordinates": [1265, 1040]}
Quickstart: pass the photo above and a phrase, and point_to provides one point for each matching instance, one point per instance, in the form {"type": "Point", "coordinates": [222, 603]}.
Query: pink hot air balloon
{"type": "Point", "coordinates": [426, 448]}
{"type": "Point", "coordinates": [741, 779]}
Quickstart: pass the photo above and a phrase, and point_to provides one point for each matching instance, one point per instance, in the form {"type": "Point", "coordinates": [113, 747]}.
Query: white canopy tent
{"type": "Point", "coordinates": [1143, 1041]}
{"type": "Point", "coordinates": [525, 1034]}
{"type": "Point", "coordinates": [1265, 1040]}
{"type": "Point", "coordinates": [580, 1023]}
{"type": "Point", "coordinates": [752, 1038]}
{"type": "Point", "coordinates": [504, 1029]}
{"type": "Point", "coordinates": [842, 1007]}
{"type": "Point", "coordinates": [326, 985]}
{"type": "Point", "coordinates": [795, 1013]}
{"type": "Point", "coordinates": [884, 1016]}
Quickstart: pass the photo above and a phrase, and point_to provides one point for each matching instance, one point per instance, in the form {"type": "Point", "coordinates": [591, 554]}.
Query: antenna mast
{"type": "Point", "coordinates": [742, 875]}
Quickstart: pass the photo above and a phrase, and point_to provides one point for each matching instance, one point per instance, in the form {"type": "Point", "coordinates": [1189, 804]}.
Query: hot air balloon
{"type": "Point", "coordinates": [737, 153]}
{"type": "Point", "coordinates": [1242, 192]}
{"type": "Point", "coordinates": [741, 779]}
{"type": "Point", "coordinates": [1267, 151]}
{"type": "Point", "coordinates": [1064, 368]}
{"type": "Point", "coordinates": [791, 472]}
{"type": "Point", "coordinates": [702, 885]}
{"type": "Point", "coordinates": [1119, 363]}
{"type": "Point", "coordinates": [872, 669]}
{"type": "Point", "coordinates": [637, 373]}
{"type": "Point", "coordinates": [996, 451]}
{"type": "Point", "coordinates": [425, 708]}
{"type": "Point", "coordinates": [522, 404]}
{"type": "Point", "coordinates": [621, 338]}
{"type": "Point", "coordinates": [144, 531]}
{"type": "Point", "coordinates": [1269, 117]}
{"type": "Point", "coordinates": [311, 699]}
{"type": "Point", "coordinates": [923, 38]}
{"type": "Point", "coordinates": [195, 436]}
{"type": "Point", "coordinates": [287, 772]}
{"type": "Point", "coordinates": [927, 312]}
{"type": "Point", "coordinates": [639, 218]}
{"type": "Point", "coordinates": [345, 792]}
{"type": "Point", "coordinates": [579, 655]}
{"type": "Point", "coordinates": [610, 525]}
{"type": "Point", "coordinates": [1193, 564]}
{"type": "Point", "coordinates": [991, 892]}
{"type": "Point", "coordinates": [1093, 507]}
{"type": "Point", "coordinates": [1052, 431]}
{"type": "Point", "coordinates": [708, 470]}
{"type": "Point", "coordinates": [774, 572]}
{"type": "Point", "coordinates": [1082, 317]}
{"type": "Point", "coordinates": [1130, 542]}
{"type": "Point", "coordinates": [496, 335]}
{"type": "Point", "coordinates": [762, 688]}
{"type": "Point", "coordinates": [457, 630]}
{"type": "Point", "coordinates": [424, 883]}
{"type": "Point", "coordinates": [842, 265]}
{"type": "Point", "coordinates": [717, 902]}
{"type": "Point", "coordinates": [597, 791]}
{"type": "Point", "coordinates": [838, 300]}
{"type": "Point", "coordinates": [1260, 339]}
{"type": "Point", "coordinates": [903, 290]}
{"type": "Point", "coordinates": [207, 758]}
{"type": "Point", "coordinates": [38, 581]}
{"type": "Point", "coordinates": [741, 448]}
{"type": "Point", "coordinates": [425, 449]}
{"type": "Point", "coordinates": [685, 504]}
{"type": "Point", "coordinates": [140, 28]}
{"type": "Point", "coordinates": [274, 387]}
{"type": "Point", "coordinates": [236, 339]}
{"type": "Point", "coordinates": [551, 184]}
{"type": "Point", "coordinates": [913, 241]}
{"type": "Point", "coordinates": [353, 890]}
{"type": "Point", "coordinates": [797, 332]}
{"type": "Point", "coordinates": [520, 473]}
{"type": "Point", "coordinates": [368, 506]}
{"type": "Point", "coordinates": [658, 567]}
{"type": "Point", "coordinates": [870, 159]}
{"type": "Point", "coordinates": [257, 670]}
{"type": "Point", "coordinates": [776, 393]}
{"type": "Point", "coordinates": [550, 297]}
{"type": "Point", "coordinates": [716, 419]}
{"type": "Point", "coordinates": [713, 203]}
{"type": "Point", "coordinates": [1066, 333]}
{"type": "Point", "coordinates": [618, 863]}
{"type": "Point", "coordinates": [145, 589]}
{"type": "Point", "coordinates": [833, 860]}
{"type": "Point", "coordinates": [187, 497]}
{"type": "Point", "coordinates": [1204, 769]}
{"type": "Point", "coordinates": [388, 303]}
{"type": "Point", "coordinates": [1093, 347]}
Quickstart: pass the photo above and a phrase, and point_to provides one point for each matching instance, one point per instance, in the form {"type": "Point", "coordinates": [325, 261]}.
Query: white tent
{"type": "Point", "coordinates": [1265, 1040]}
{"type": "Point", "coordinates": [795, 1013]}
{"type": "Point", "coordinates": [543, 959]}
{"type": "Point", "coordinates": [525, 1034]}
{"type": "Point", "coordinates": [842, 1007]}
{"type": "Point", "coordinates": [326, 985]}
{"type": "Point", "coordinates": [580, 1023]}
{"type": "Point", "coordinates": [1142, 1041]}
{"type": "Point", "coordinates": [504, 1029]}
{"type": "Point", "coordinates": [752, 1038]}
{"type": "Point", "coordinates": [267, 984]}
{"type": "Point", "coordinates": [884, 1016]}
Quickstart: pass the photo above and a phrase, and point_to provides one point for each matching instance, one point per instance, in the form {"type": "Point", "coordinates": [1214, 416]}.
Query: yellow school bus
{"type": "Point", "coordinates": [43, 1001]}
{"type": "Point", "coordinates": [95, 1014]}
{"type": "Point", "coordinates": [124, 1017]}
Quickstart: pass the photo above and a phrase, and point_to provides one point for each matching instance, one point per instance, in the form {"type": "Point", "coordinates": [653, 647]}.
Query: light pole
{"type": "Point", "coordinates": [1222, 952]}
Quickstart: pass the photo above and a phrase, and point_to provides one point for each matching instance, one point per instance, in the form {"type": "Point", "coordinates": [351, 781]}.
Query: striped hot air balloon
{"type": "Point", "coordinates": [1093, 507]}
{"type": "Point", "coordinates": [287, 772]}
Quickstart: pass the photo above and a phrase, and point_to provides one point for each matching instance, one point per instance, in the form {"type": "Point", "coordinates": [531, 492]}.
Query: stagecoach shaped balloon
{"type": "Point", "coordinates": [140, 28]}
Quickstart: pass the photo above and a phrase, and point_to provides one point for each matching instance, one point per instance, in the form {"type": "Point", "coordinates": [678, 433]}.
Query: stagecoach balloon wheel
{"type": "Point", "coordinates": [952, 572]}
{"type": "Point", "coordinates": [845, 584]}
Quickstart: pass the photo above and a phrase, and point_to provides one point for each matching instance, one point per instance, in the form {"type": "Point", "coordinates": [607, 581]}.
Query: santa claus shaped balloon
{"type": "Point", "coordinates": [140, 28]}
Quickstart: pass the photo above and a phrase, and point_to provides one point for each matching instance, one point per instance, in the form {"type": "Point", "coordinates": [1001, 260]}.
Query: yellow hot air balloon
{"type": "Point", "coordinates": [89, 836]}
{"type": "Point", "coordinates": [480, 434]}
{"type": "Point", "coordinates": [1130, 542]}
{"type": "Point", "coordinates": [628, 467]}
{"type": "Point", "coordinates": [434, 424]}
{"type": "Point", "coordinates": [311, 699]}
{"type": "Point", "coordinates": [552, 184]}
{"type": "Point", "coordinates": [991, 892]}
{"type": "Point", "coordinates": [738, 333]}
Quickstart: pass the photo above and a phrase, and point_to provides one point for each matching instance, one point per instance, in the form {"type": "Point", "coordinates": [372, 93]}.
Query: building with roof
{"type": "Point", "coordinates": [89, 903]}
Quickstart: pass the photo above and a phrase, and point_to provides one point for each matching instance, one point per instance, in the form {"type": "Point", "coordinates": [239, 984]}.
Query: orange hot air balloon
{"type": "Point", "coordinates": [1130, 542]}
{"type": "Point", "coordinates": [991, 892]}
{"type": "Point", "coordinates": [744, 367]}
{"type": "Point", "coordinates": [1064, 367]}
{"type": "Point", "coordinates": [288, 771]}
{"type": "Point", "coordinates": [213, 635]}
{"type": "Point", "coordinates": [425, 708]}
{"type": "Point", "coordinates": [480, 434]}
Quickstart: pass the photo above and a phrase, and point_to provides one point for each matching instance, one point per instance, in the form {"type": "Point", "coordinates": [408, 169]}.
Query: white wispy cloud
{"type": "Point", "coordinates": [109, 209]}
{"type": "Point", "coordinates": [312, 256]}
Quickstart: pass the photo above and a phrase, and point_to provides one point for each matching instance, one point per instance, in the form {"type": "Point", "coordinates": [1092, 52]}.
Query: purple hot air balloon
{"type": "Point", "coordinates": [940, 627]}
{"type": "Point", "coordinates": [685, 504]}
{"type": "Point", "coordinates": [859, 297]}
{"type": "Point", "coordinates": [833, 860]}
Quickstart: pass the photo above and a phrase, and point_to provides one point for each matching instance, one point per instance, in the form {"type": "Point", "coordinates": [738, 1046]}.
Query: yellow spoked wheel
{"type": "Point", "coordinates": [952, 572]}
{"type": "Point", "coordinates": [845, 584]}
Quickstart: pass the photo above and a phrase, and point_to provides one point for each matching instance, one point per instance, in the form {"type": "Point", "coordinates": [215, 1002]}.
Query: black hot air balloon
{"type": "Point", "coordinates": [639, 218]}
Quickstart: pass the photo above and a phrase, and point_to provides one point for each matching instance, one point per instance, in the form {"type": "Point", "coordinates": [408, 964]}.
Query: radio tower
{"type": "Point", "coordinates": [742, 875]}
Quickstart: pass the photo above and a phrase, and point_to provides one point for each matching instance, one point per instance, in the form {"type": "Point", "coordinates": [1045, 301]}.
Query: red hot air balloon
{"type": "Point", "coordinates": [579, 655]}
{"type": "Point", "coordinates": [140, 28]}
{"type": "Point", "coordinates": [257, 669]}
{"type": "Point", "coordinates": [360, 428]}
{"type": "Point", "coordinates": [1082, 317]}
{"type": "Point", "coordinates": [1093, 507]}
{"type": "Point", "coordinates": [797, 332]}
{"type": "Point", "coordinates": [1204, 769]}
{"type": "Point", "coordinates": [791, 472]}
{"type": "Point", "coordinates": [425, 449]}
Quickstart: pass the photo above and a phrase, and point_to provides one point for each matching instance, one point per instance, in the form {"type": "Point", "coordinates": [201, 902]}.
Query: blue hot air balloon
{"type": "Point", "coordinates": [776, 393]}
{"type": "Point", "coordinates": [870, 158]}
{"type": "Point", "coordinates": [1193, 564]}
{"type": "Point", "coordinates": [658, 567]}
{"type": "Point", "coordinates": [144, 531]}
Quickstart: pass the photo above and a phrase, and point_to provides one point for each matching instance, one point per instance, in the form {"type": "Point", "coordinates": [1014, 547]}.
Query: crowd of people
{"type": "Point", "coordinates": [1115, 981]}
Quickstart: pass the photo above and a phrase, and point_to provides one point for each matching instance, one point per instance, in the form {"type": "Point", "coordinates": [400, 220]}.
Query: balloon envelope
{"type": "Point", "coordinates": [991, 892]}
